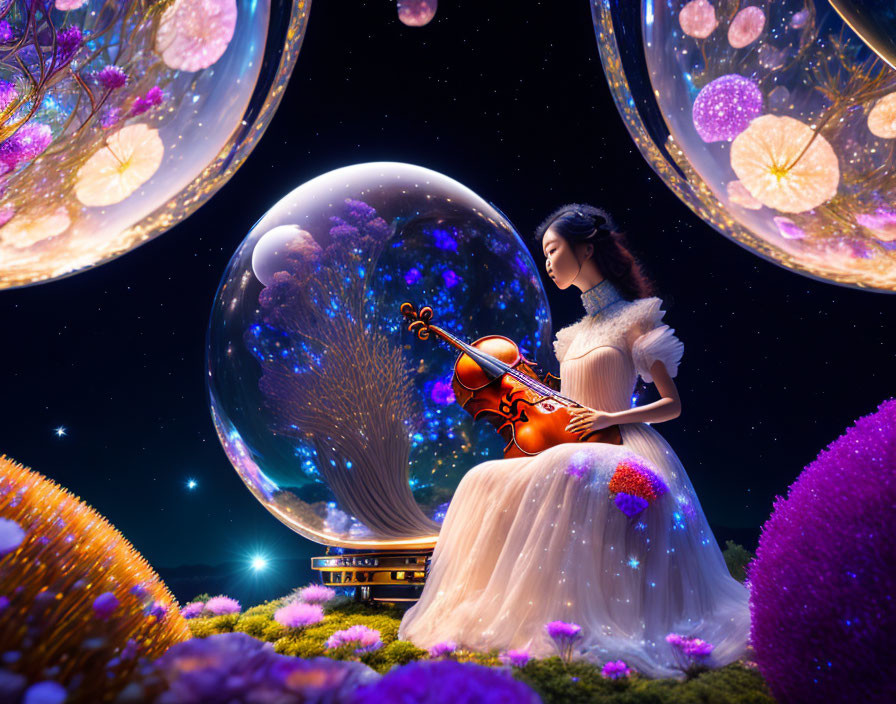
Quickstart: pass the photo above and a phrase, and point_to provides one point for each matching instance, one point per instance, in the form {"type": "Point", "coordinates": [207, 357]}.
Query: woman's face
{"type": "Point", "coordinates": [561, 261]}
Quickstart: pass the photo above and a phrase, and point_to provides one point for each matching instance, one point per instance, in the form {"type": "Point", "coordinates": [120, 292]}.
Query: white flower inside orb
{"type": "Point", "coordinates": [194, 34]}
{"type": "Point", "coordinates": [129, 159]}
{"type": "Point", "coordinates": [23, 231]}
{"type": "Point", "coordinates": [784, 164]}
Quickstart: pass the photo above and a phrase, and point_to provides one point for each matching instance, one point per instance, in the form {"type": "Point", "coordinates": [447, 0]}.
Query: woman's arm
{"type": "Point", "coordinates": [667, 408]}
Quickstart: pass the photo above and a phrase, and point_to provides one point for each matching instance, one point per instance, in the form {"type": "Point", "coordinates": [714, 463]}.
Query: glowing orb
{"type": "Point", "coordinates": [119, 119]}
{"type": "Point", "coordinates": [339, 420]}
{"type": "Point", "coordinates": [772, 121]}
{"type": "Point", "coordinates": [416, 13]}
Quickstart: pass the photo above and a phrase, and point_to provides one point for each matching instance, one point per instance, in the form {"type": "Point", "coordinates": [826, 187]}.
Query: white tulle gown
{"type": "Point", "coordinates": [525, 542]}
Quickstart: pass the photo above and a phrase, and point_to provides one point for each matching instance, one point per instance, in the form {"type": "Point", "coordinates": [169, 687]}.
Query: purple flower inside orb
{"type": "Point", "coordinates": [442, 393]}
{"type": "Point", "coordinates": [413, 276]}
{"type": "Point", "coordinates": [789, 229]}
{"type": "Point", "coordinates": [725, 107]}
{"type": "Point", "coordinates": [450, 278]}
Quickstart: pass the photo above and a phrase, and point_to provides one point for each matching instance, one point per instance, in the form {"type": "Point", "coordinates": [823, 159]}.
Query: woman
{"type": "Point", "coordinates": [538, 539]}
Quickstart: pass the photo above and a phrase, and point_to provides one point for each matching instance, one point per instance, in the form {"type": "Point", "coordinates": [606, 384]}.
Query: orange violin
{"type": "Point", "coordinates": [493, 380]}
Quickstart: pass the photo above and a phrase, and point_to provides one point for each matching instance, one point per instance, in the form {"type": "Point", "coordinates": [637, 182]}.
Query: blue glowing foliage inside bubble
{"type": "Point", "coordinates": [340, 421]}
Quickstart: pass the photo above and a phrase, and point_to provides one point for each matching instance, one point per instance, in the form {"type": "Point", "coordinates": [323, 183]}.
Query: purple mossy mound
{"type": "Point", "coordinates": [824, 578]}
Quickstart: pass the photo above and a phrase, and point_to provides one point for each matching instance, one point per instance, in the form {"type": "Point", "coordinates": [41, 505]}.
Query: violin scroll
{"type": "Point", "coordinates": [418, 322]}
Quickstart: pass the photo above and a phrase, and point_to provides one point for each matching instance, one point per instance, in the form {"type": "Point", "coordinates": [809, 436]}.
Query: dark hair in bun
{"type": "Point", "coordinates": [585, 224]}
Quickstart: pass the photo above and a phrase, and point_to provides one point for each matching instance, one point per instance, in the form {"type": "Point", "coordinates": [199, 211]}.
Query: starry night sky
{"type": "Point", "coordinates": [513, 105]}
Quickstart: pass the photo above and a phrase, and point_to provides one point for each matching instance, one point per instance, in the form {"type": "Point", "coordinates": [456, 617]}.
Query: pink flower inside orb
{"type": "Point", "coordinates": [789, 229]}
{"type": "Point", "coordinates": [698, 19]}
{"type": "Point", "coordinates": [193, 34]}
{"type": "Point", "coordinates": [746, 27]}
{"type": "Point", "coordinates": [416, 13]}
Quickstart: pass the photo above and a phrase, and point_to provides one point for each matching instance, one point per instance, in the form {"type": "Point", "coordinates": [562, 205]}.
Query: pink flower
{"type": "Point", "coordinates": [299, 615]}
{"type": "Point", "coordinates": [193, 609]}
{"type": "Point", "coordinates": [441, 649]}
{"type": "Point", "coordinates": [221, 605]}
{"type": "Point", "coordinates": [8, 93]}
{"type": "Point", "coordinates": [362, 638]}
{"type": "Point", "coordinates": [111, 77]}
{"type": "Point", "coordinates": [193, 34]}
{"type": "Point", "coordinates": [515, 658]}
{"type": "Point", "coordinates": [615, 670]}
{"type": "Point", "coordinates": [316, 594]}
{"type": "Point", "coordinates": [694, 650]}
{"type": "Point", "coordinates": [104, 605]}
{"type": "Point", "coordinates": [69, 4]}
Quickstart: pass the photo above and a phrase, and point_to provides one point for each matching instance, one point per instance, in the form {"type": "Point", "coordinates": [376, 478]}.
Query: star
{"type": "Point", "coordinates": [60, 431]}
{"type": "Point", "coordinates": [259, 562]}
{"type": "Point", "coordinates": [192, 484]}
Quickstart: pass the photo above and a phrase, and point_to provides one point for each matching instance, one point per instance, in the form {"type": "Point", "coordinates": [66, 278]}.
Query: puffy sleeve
{"type": "Point", "coordinates": [653, 340]}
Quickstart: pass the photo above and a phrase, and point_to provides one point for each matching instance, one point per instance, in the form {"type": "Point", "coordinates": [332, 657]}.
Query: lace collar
{"type": "Point", "coordinates": [600, 297]}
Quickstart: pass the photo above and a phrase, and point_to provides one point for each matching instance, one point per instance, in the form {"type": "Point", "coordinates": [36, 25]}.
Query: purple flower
{"type": "Point", "coordinates": [413, 276]}
{"type": "Point", "coordinates": [8, 93]}
{"type": "Point", "coordinates": [615, 670]}
{"type": "Point", "coordinates": [11, 536]}
{"type": "Point", "coordinates": [298, 615]}
{"type": "Point", "coordinates": [221, 605]}
{"type": "Point", "coordinates": [564, 636]}
{"type": "Point", "coordinates": [446, 682]}
{"type": "Point", "coordinates": [193, 609]}
{"type": "Point", "coordinates": [630, 504]}
{"type": "Point", "coordinates": [158, 610]}
{"type": "Point", "coordinates": [152, 98]}
{"type": "Point", "coordinates": [725, 107]}
{"type": "Point", "coordinates": [4, 603]}
{"type": "Point", "coordinates": [229, 667]}
{"type": "Point", "coordinates": [442, 392]}
{"type": "Point", "coordinates": [441, 649]}
{"type": "Point", "coordinates": [111, 77]}
{"type": "Point", "coordinates": [789, 229]}
{"type": "Point", "coordinates": [68, 41]}
{"type": "Point", "coordinates": [361, 638]}
{"type": "Point", "coordinates": [28, 142]}
{"type": "Point", "coordinates": [450, 278]}
{"type": "Point", "coordinates": [515, 658]}
{"type": "Point", "coordinates": [316, 594]}
{"type": "Point", "coordinates": [110, 117]}
{"type": "Point", "coordinates": [139, 591]}
{"type": "Point", "coordinates": [6, 34]}
{"type": "Point", "coordinates": [104, 605]}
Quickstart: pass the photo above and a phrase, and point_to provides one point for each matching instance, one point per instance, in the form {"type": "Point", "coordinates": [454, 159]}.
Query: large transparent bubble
{"type": "Point", "coordinates": [773, 121]}
{"type": "Point", "coordinates": [119, 118]}
{"type": "Point", "coordinates": [339, 420]}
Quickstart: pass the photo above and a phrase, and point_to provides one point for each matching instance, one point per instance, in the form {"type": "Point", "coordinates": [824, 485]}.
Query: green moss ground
{"type": "Point", "coordinates": [550, 677]}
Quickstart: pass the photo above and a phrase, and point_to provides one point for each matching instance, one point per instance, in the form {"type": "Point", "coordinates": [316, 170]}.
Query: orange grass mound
{"type": "Point", "coordinates": [83, 604]}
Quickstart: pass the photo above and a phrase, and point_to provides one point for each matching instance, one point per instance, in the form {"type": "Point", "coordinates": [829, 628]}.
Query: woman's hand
{"type": "Point", "coordinates": [585, 418]}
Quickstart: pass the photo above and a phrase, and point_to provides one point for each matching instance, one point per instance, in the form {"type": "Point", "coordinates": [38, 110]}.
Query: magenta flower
{"type": "Point", "coordinates": [111, 77]}
{"type": "Point", "coordinates": [689, 650]}
{"type": "Point", "coordinates": [8, 93]}
{"type": "Point", "coordinates": [442, 649]}
{"type": "Point", "coordinates": [152, 98]}
{"type": "Point", "coordinates": [193, 609]}
{"type": "Point", "coordinates": [11, 536]}
{"type": "Point", "coordinates": [564, 636]}
{"type": "Point", "coordinates": [28, 142]}
{"type": "Point", "coordinates": [6, 35]}
{"type": "Point", "coordinates": [515, 658]}
{"type": "Point", "coordinates": [361, 638]}
{"type": "Point", "coordinates": [221, 605]}
{"type": "Point", "coordinates": [299, 615]}
{"type": "Point", "coordinates": [316, 594]}
{"type": "Point", "coordinates": [104, 605]}
{"type": "Point", "coordinates": [615, 670]}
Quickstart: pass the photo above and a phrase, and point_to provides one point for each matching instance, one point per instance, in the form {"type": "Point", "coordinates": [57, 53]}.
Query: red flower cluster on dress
{"type": "Point", "coordinates": [635, 478]}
